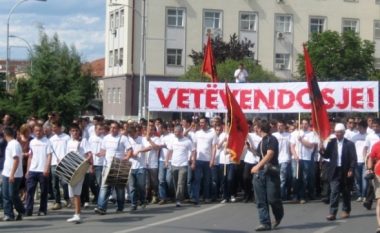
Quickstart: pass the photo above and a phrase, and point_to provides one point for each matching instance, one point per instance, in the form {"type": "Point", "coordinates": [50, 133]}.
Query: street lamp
{"type": "Point", "coordinates": [7, 58]}
{"type": "Point", "coordinates": [141, 103]}
{"type": "Point", "coordinates": [29, 47]}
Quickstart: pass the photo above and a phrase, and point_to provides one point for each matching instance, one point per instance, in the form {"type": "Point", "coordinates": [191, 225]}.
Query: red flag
{"type": "Point", "coordinates": [209, 68]}
{"type": "Point", "coordinates": [319, 115]}
{"type": "Point", "coordinates": [238, 127]}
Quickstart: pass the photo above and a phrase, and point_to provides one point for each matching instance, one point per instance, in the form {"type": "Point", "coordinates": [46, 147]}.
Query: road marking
{"type": "Point", "coordinates": [327, 229]}
{"type": "Point", "coordinates": [171, 219]}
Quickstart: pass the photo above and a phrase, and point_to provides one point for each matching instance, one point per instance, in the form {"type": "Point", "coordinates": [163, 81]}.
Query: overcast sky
{"type": "Point", "coordinates": [77, 22]}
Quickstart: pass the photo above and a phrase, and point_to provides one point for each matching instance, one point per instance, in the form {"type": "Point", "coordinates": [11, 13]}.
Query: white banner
{"type": "Point", "coordinates": [290, 97]}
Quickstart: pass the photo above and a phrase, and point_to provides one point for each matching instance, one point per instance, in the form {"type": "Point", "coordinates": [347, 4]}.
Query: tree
{"type": "Point", "coordinates": [340, 56]}
{"type": "Point", "coordinates": [57, 83]}
{"type": "Point", "coordinates": [234, 49]}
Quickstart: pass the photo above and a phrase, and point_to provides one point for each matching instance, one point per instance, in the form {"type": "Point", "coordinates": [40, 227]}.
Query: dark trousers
{"type": "Point", "coordinates": [268, 192]}
{"type": "Point", "coordinates": [11, 197]}
{"type": "Point", "coordinates": [31, 184]}
{"type": "Point", "coordinates": [151, 183]}
{"type": "Point", "coordinates": [227, 180]}
{"type": "Point", "coordinates": [57, 182]}
{"type": "Point", "coordinates": [339, 186]}
{"type": "Point", "coordinates": [216, 180]}
{"type": "Point", "coordinates": [247, 181]}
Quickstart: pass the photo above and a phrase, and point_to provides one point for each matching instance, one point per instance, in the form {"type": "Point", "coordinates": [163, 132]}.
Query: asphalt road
{"type": "Point", "coordinates": [206, 218]}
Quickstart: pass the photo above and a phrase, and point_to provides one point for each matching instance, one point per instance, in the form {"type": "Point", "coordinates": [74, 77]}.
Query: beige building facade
{"type": "Point", "coordinates": [151, 39]}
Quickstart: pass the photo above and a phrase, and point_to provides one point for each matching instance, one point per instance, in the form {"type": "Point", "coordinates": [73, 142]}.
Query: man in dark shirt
{"type": "Point", "coordinates": [3, 145]}
{"type": "Point", "coordinates": [266, 179]}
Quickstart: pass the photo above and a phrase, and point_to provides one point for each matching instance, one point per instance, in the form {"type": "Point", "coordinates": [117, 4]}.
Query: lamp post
{"type": "Point", "coordinates": [29, 47]}
{"type": "Point", "coordinates": [7, 46]}
{"type": "Point", "coordinates": [141, 99]}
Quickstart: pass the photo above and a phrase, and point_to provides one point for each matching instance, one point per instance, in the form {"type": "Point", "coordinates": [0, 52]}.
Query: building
{"type": "Point", "coordinates": [151, 39]}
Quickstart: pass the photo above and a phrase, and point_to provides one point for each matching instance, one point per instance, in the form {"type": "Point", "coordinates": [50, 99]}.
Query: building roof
{"type": "Point", "coordinates": [15, 66]}
{"type": "Point", "coordinates": [96, 67]}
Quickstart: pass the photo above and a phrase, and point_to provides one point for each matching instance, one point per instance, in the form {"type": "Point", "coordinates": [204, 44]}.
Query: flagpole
{"type": "Point", "coordinates": [299, 146]}
{"type": "Point", "coordinates": [225, 146]}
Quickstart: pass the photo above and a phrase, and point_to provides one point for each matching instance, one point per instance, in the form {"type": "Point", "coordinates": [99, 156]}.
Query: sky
{"type": "Point", "coordinates": [77, 22]}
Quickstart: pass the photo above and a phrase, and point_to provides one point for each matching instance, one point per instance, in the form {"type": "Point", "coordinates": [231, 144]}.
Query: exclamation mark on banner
{"type": "Point", "coordinates": [370, 99]}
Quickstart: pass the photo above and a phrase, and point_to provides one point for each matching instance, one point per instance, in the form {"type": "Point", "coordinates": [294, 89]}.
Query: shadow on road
{"type": "Point", "coordinates": [309, 225]}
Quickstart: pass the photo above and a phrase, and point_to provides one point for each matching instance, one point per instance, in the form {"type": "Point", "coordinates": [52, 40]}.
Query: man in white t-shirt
{"type": "Point", "coordinates": [359, 141]}
{"type": "Point", "coordinates": [241, 74]}
{"type": "Point", "coordinates": [205, 141]}
{"type": "Point", "coordinates": [303, 146]}
{"type": "Point", "coordinates": [12, 176]}
{"type": "Point", "coordinates": [59, 147]}
{"type": "Point", "coordinates": [350, 128]}
{"type": "Point", "coordinates": [178, 153]}
{"type": "Point", "coordinates": [38, 171]}
{"type": "Point", "coordinates": [284, 158]}
{"type": "Point", "coordinates": [114, 145]}
{"type": "Point", "coordinates": [164, 170]}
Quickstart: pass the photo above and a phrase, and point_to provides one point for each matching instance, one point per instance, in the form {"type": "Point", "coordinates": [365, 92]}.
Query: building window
{"type": "Point", "coordinates": [121, 56]}
{"type": "Point", "coordinates": [111, 21]}
{"type": "Point", "coordinates": [116, 19]}
{"type": "Point", "coordinates": [174, 57]}
{"type": "Point", "coordinates": [110, 59]}
{"type": "Point", "coordinates": [376, 29]}
{"type": "Point", "coordinates": [212, 19]}
{"type": "Point", "coordinates": [351, 0]}
{"type": "Point", "coordinates": [350, 25]}
{"type": "Point", "coordinates": [109, 93]}
{"type": "Point", "coordinates": [116, 58]}
{"type": "Point", "coordinates": [282, 61]}
{"type": "Point", "coordinates": [121, 17]}
{"type": "Point", "coordinates": [114, 95]}
{"type": "Point", "coordinates": [119, 95]}
{"type": "Point", "coordinates": [175, 17]}
{"type": "Point", "coordinates": [317, 25]}
{"type": "Point", "coordinates": [248, 22]}
{"type": "Point", "coordinates": [284, 23]}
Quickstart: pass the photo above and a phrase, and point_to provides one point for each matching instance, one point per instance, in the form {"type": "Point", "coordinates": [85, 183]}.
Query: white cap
{"type": "Point", "coordinates": [339, 127]}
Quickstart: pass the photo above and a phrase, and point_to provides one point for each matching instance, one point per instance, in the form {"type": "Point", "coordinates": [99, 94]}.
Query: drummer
{"type": "Point", "coordinates": [78, 145]}
{"type": "Point", "coordinates": [113, 145]}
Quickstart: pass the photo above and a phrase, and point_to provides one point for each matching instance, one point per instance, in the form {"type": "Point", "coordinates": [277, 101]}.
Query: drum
{"type": "Point", "coordinates": [72, 168]}
{"type": "Point", "coordinates": [117, 173]}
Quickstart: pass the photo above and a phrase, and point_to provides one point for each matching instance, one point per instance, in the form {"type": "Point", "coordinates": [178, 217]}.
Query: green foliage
{"type": "Point", "coordinates": [57, 83]}
{"type": "Point", "coordinates": [234, 49]}
{"type": "Point", "coordinates": [226, 72]}
{"type": "Point", "coordinates": [339, 57]}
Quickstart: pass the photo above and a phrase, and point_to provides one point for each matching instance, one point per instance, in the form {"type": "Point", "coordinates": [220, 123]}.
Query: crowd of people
{"type": "Point", "coordinates": [186, 161]}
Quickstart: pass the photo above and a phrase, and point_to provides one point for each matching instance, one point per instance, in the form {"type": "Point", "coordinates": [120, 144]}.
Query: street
{"type": "Point", "coordinates": [230, 217]}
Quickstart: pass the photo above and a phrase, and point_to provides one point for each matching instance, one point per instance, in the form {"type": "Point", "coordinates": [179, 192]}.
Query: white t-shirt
{"type": "Point", "coordinates": [253, 140]}
{"type": "Point", "coordinates": [138, 161]}
{"type": "Point", "coordinates": [40, 149]}
{"type": "Point", "coordinates": [59, 147]}
{"type": "Point", "coordinates": [350, 133]}
{"type": "Point", "coordinates": [359, 141]}
{"type": "Point", "coordinates": [91, 129]}
{"type": "Point", "coordinates": [12, 151]}
{"type": "Point", "coordinates": [115, 147]}
{"type": "Point", "coordinates": [181, 149]}
{"type": "Point", "coordinates": [152, 155]}
{"type": "Point", "coordinates": [283, 139]}
{"type": "Point", "coordinates": [204, 142]}
{"type": "Point", "coordinates": [165, 140]}
{"type": "Point", "coordinates": [221, 156]}
{"type": "Point", "coordinates": [303, 152]}
{"type": "Point", "coordinates": [241, 75]}
{"type": "Point", "coordinates": [80, 147]}
{"type": "Point", "coordinates": [94, 143]}
{"type": "Point", "coordinates": [370, 140]}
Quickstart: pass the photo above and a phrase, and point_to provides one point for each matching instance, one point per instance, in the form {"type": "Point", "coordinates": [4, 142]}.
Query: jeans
{"type": "Point", "coordinates": [361, 182]}
{"type": "Point", "coordinates": [190, 180]}
{"type": "Point", "coordinates": [215, 182]}
{"type": "Point", "coordinates": [247, 181]}
{"type": "Point", "coordinates": [179, 175]}
{"type": "Point", "coordinates": [105, 192]}
{"type": "Point", "coordinates": [267, 192]}
{"type": "Point", "coordinates": [202, 174]}
{"type": "Point", "coordinates": [137, 185]}
{"type": "Point", "coordinates": [285, 177]}
{"type": "Point", "coordinates": [12, 197]}
{"type": "Point", "coordinates": [338, 186]}
{"type": "Point", "coordinates": [305, 178]}
{"type": "Point", "coordinates": [31, 184]}
{"type": "Point", "coordinates": [227, 180]}
{"type": "Point", "coordinates": [151, 182]}
{"type": "Point", "coordinates": [1, 190]}
{"type": "Point", "coordinates": [98, 170]}
{"type": "Point", "coordinates": [57, 182]}
{"type": "Point", "coordinates": [164, 179]}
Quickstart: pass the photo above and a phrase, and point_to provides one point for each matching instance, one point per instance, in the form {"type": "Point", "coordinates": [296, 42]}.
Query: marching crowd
{"type": "Point", "coordinates": [187, 161]}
